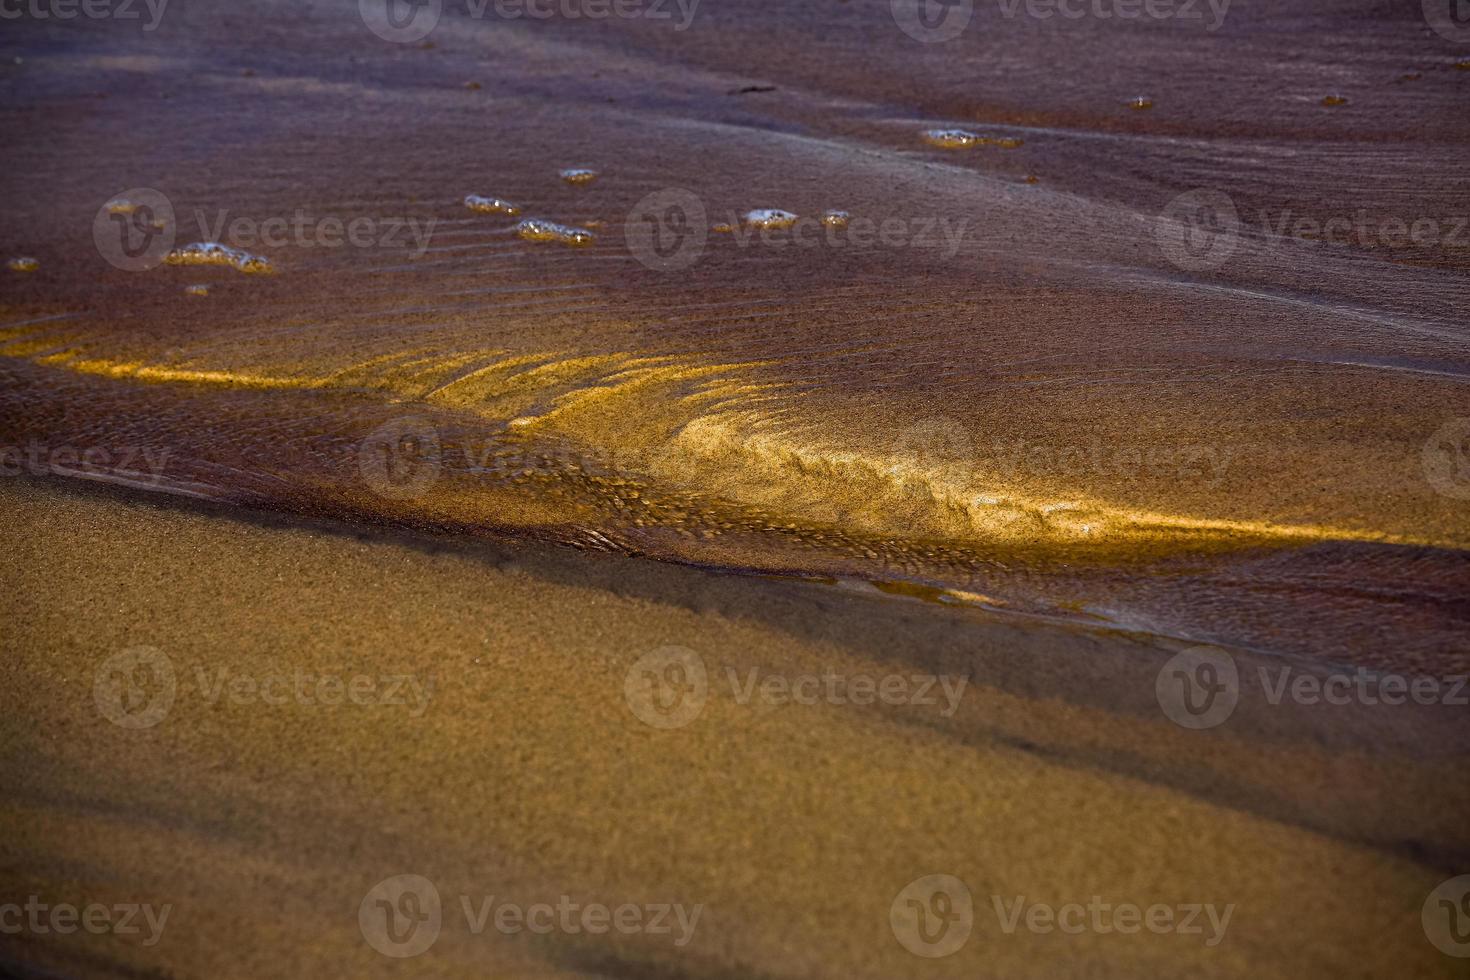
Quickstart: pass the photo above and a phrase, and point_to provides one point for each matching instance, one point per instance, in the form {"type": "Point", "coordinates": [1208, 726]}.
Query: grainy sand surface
{"type": "Point", "coordinates": [553, 497]}
{"type": "Point", "coordinates": [528, 775]}
{"type": "Point", "coordinates": [1058, 405]}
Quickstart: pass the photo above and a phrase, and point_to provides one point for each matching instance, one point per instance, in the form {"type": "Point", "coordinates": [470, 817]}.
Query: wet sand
{"type": "Point", "coordinates": [1044, 451]}
{"type": "Point", "coordinates": [1050, 407]}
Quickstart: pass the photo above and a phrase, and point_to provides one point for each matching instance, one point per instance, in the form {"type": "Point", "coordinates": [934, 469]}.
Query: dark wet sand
{"type": "Point", "coordinates": [852, 410]}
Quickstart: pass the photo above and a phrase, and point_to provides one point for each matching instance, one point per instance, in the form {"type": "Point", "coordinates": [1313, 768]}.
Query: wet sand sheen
{"type": "Point", "coordinates": [665, 455]}
{"type": "Point", "coordinates": [562, 392]}
{"type": "Point", "coordinates": [932, 414]}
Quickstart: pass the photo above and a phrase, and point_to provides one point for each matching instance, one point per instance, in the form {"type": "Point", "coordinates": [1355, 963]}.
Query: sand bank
{"type": "Point", "coordinates": [517, 767]}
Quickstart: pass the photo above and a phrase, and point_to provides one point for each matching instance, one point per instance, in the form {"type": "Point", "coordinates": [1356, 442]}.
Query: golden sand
{"type": "Point", "coordinates": [1038, 434]}
{"type": "Point", "coordinates": [528, 775]}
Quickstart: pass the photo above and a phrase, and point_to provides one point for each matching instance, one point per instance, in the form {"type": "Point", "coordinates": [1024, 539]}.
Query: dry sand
{"type": "Point", "coordinates": [529, 776]}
